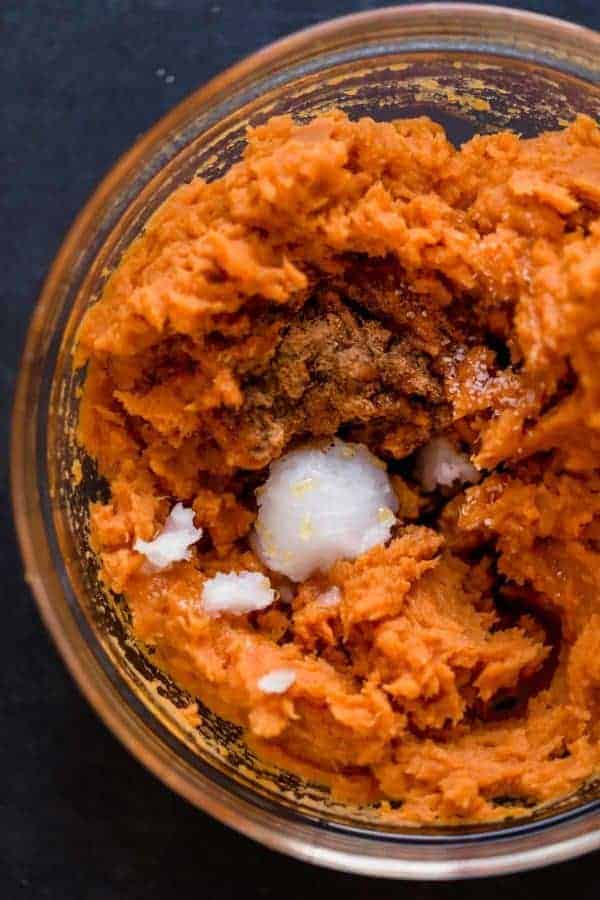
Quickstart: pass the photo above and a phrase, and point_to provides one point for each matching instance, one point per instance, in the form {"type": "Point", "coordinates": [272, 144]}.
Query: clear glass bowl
{"type": "Point", "coordinates": [473, 68]}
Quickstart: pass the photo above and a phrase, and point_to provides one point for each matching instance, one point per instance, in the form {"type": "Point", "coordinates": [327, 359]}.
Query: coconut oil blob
{"type": "Point", "coordinates": [322, 504]}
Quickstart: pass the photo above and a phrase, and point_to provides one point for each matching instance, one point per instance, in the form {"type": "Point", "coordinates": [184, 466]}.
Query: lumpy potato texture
{"type": "Point", "coordinates": [371, 281]}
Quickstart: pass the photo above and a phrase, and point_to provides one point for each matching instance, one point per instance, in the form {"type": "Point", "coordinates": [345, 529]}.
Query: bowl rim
{"type": "Point", "coordinates": [243, 814]}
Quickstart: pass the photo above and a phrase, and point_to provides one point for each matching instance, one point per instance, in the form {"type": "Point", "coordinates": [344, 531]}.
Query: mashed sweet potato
{"type": "Point", "coordinates": [369, 280]}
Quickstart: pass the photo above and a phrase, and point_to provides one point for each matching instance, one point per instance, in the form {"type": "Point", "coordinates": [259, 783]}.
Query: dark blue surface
{"type": "Point", "coordinates": [79, 818]}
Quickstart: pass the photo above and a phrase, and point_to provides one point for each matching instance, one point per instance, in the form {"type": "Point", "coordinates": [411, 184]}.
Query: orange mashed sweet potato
{"type": "Point", "coordinates": [369, 280]}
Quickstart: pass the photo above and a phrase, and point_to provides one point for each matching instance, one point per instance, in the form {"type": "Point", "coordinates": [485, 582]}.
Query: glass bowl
{"type": "Point", "coordinates": [473, 68]}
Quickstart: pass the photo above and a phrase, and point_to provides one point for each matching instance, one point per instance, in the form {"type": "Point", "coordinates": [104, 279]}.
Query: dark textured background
{"type": "Point", "coordinates": [79, 818]}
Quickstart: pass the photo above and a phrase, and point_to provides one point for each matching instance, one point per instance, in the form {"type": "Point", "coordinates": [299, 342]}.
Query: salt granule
{"type": "Point", "coordinates": [331, 597]}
